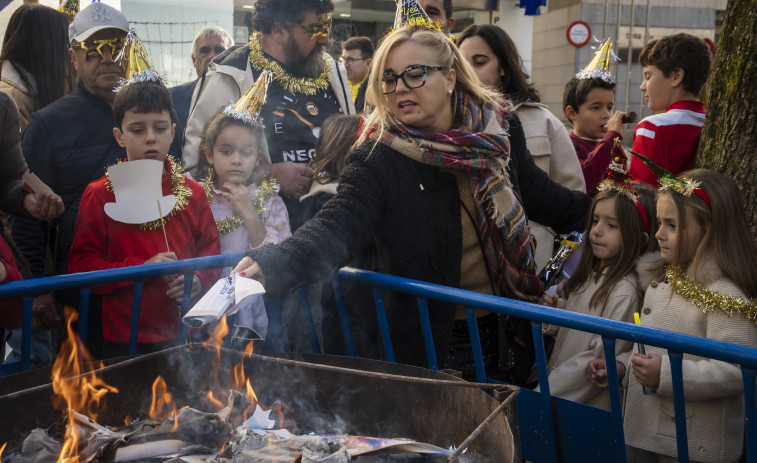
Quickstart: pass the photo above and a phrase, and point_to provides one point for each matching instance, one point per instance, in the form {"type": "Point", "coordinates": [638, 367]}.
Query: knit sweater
{"type": "Point", "coordinates": [414, 211]}
{"type": "Point", "coordinates": [595, 158]}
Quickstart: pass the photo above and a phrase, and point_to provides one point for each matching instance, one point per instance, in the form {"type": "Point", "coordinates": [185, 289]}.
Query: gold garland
{"type": "Point", "coordinates": [707, 299]}
{"type": "Point", "coordinates": [267, 189]}
{"type": "Point", "coordinates": [292, 84]}
{"type": "Point", "coordinates": [179, 189]}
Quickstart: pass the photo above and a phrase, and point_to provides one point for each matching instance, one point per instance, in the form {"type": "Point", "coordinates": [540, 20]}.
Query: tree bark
{"type": "Point", "coordinates": [729, 136]}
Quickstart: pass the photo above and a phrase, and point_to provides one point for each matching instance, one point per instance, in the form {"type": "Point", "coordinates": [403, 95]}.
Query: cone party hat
{"type": "Point", "coordinates": [618, 177]}
{"type": "Point", "coordinates": [249, 107]}
{"type": "Point", "coordinates": [411, 13]}
{"type": "Point", "coordinates": [69, 7]}
{"type": "Point", "coordinates": [600, 64]}
{"type": "Point", "coordinates": [138, 65]}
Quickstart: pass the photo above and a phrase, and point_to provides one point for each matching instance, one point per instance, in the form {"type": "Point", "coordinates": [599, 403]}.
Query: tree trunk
{"type": "Point", "coordinates": [729, 135]}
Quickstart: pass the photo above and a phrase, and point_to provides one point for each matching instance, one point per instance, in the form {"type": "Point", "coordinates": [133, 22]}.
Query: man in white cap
{"type": "Point", "coordinates": [70, 142]}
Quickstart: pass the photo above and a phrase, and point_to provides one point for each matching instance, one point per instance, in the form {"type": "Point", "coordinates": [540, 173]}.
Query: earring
{"type": "Point", "coordinates": [449, 92]}
{"type": "Point", "coordinates": [211, 172]}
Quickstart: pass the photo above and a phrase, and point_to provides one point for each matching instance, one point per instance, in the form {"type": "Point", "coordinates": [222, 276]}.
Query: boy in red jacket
{"type": "Point", "coordinates": [676, 68]}
{"type": "Point", "coordinates": [142, 112]}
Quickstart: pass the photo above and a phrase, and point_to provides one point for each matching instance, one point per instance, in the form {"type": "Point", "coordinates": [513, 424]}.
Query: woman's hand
{"type": "Point", "coordinates": [550, 301]}
{"type": "Point", "coordinates": [239, 195]}
{"type": "Point", "coordinates": [646, 369]}
{"type": "Point", "coordinates": [44, 207]}
{"type": "Point", "coordinates": [248, 268]}
{"type": "Point", "coordinates": [176, 288]}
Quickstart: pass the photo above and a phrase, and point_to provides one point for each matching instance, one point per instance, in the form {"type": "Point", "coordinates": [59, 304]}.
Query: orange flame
{"type": "Point", "coordinates": [76, 387]}
{"type": "Point", "coordinates": [217, 336]}
{"type": "Point", "coordinates": [1, 450]}
{"type": "Point", "coordinates": [250, 394]}
{"type": "Point", "coordinates": [214, 401]}
{"type": "Point", "coordinates": [238, 377]}
{"type": "Point", "coordinates": [162, 405]}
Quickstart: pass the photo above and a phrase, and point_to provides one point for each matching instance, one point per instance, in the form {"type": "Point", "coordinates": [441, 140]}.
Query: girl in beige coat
{"type": "Point", "coordinates": [710, 253]}
{"type": "Point", "coordinates": [604, 285]}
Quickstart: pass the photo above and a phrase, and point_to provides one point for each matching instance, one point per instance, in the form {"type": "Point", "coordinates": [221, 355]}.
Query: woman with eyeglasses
{"type": "Point", "coordinates": [36, 69]}
{"type": "Point", "coordinates": [441, 179]}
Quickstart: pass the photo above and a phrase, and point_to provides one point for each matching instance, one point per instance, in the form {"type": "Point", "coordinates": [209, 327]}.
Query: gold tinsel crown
{"type": "Point", "coordinates": [249, 107]}
{"type": "Point", "coordinates": [600, 64]}
{"type": "Point", "coordinates": [138, 65]}
{"type": "Point", "coordinates": [69, 7]}
{"type": "Point", "coordinates": [411, 13]}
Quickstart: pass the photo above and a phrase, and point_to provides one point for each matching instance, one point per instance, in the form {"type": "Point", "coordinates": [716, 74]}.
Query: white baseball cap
{"type": "Point", "coordinates": [95, 17]}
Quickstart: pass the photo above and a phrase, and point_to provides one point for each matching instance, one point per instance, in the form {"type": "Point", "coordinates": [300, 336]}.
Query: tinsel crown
{"type": "Point", "coordinates": [618, 177]}
{"type": "Point", "coordinates": [138, 65]}
{"type": "Point", "coordinates": [600, 64]}
{"type": "Point", "coordinates": [69, 7]}
{"type": "Point", "coordinates": [668, 181]}
{"type": "Point", "coordinates": [249, 107]}
{"type": "Point", "coordinates": [411, 13]}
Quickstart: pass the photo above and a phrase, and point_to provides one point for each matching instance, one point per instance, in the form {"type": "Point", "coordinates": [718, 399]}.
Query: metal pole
{"type": "Point", "coordinates": [617, 31]}
{"type": "Point", "coordinates": [604, 24]}
{"type": "Point", "coordinates": [642, 106]}
{"type": "Point", "coordinates": [630, 55]}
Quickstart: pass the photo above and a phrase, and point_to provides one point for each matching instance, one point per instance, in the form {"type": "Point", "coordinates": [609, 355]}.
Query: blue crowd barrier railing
{"type": "Point", "coordinates": [551, 429]}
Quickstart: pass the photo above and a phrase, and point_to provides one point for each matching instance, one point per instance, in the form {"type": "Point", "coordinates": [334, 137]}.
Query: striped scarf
{"type": "Point", "coordinates": [480, 149]}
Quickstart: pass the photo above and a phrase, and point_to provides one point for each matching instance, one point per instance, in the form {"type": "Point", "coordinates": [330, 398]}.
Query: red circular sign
{"type": "Point", "coordinates": [578, 33]}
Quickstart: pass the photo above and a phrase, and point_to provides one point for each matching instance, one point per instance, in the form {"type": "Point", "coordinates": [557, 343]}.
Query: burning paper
{"type": "Point", "coordinates": [224, 298]}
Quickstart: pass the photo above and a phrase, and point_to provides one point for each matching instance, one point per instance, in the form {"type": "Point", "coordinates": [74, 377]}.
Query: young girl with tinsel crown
{"type": "Point", "coordinates": [707, 287]}
{"type": "Point", "coordinates": [604, 284]}
{"type": "Point", "coordinates": [247, 209]}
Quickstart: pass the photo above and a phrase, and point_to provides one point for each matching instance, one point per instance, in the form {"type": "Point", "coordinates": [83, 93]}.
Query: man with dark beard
{"type": "Point", "coordinates": [308, 86]}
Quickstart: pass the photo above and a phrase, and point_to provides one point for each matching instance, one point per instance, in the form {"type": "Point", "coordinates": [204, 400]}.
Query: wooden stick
{"type": "Point", "coordinates": [163, 226]}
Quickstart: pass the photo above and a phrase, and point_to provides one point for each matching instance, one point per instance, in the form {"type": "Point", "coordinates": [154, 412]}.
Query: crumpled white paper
{"type": "Point", "coordinates": [225, 297]}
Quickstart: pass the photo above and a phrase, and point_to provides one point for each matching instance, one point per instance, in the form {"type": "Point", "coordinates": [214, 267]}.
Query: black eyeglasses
{"type": "Point", "coordinates": [349, 60]}
{"type": "Point", "coordinates": [413, 77]}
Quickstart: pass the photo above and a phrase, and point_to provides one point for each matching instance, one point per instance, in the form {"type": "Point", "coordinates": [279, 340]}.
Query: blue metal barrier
{"type": "Point", "coordinates": [551, 429]}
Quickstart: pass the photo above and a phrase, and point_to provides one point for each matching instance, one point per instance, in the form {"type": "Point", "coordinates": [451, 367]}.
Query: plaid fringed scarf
{"type": "Point", "coordinates": [481, 149]}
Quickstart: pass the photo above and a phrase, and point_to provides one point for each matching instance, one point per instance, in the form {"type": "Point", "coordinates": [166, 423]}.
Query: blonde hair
{"type": "Point", "coordinates": [727, 237]}
{"type": "Point", "coordinates": [447, 55]}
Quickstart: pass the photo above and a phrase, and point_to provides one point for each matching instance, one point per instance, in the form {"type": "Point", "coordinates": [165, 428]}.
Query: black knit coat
{"type": "Point", "coordinates": [413, 210]}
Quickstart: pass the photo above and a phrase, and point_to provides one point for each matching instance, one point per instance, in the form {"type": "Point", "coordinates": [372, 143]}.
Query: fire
{"type": "Point", "coordinates": [237, 374]}
{"type": "Point", "coordinates": [2, 449]}
{"type": "Point", "coordinates": [214, 401]}
{"type": "Point", "coordinates": [162, 405]}
{"type": "Point", "coordinates": [76, 387]}
{"type": "Point", "coordinates": [162, 402]}
{"type": "Point", "coordinates": [250, 394]}
{"type": "Point", "coordinates": [217, 336]}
